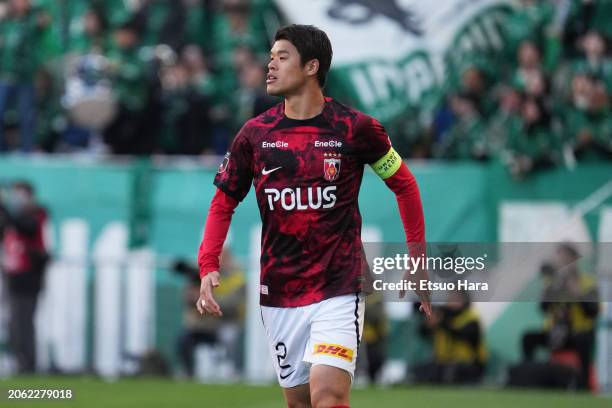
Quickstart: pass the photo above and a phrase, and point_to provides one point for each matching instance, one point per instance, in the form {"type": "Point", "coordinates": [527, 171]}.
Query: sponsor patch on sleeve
{"type": "Point", "coordinates": [387, 165]}
{"type": "Point", "coordinates": [334, 350]}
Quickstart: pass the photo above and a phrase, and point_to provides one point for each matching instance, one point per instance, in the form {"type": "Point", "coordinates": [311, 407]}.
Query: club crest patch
{"type": "Point", "coordinates": [331, 166]}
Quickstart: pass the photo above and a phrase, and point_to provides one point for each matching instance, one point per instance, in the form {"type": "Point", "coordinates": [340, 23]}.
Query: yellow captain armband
{"type": "Point", "coordinates": [387, 165]}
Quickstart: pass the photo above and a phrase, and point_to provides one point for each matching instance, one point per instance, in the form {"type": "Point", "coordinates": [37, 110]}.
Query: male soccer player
{"type": "Point", "coordinates": [306, 159]}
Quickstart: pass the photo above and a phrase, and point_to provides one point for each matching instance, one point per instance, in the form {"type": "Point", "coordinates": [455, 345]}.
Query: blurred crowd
{"type": "Point", "coordinates": [545, 102]}
{"type": "Point", "coordinates": [181, 77]}
{"type": "Point", "coordinates": [131, 77]}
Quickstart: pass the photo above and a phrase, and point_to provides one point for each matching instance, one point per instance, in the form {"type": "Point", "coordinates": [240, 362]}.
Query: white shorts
{"type": "Point", "coordinates": [325, 333]}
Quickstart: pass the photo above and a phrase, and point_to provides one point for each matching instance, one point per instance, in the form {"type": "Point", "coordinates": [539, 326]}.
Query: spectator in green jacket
{"type": "Point", "coordinates": [51, 119]}
{"type": "Point", "coordinates": [89, 33]}
{"type": "Point", "coordinates": [234, 28]}
{"type": "Point", "coordinates": [252, 97]}
{"type": "Point", "coordinates": [498, 128]}
{"type": "Point", "coordinates": [20, 33]}
{"type": "Point", "coordinates": [163, 22]}
{"type": "Point", "coordinates": [529, 65]}
{"type": "Point", "coordinates": [532, 144]}
{"type": "Point", "coordinates": [588, 123]}
{"type": "Point", "coordinates": [131, 84]}
{"type": "Point", "coordinates": [587, 15]}
{"type": "Point", "coordinates": [474, 82]}
{"type": "Point", "coordinates": [594, 61]}
{"type": "Point", "coordinates": [186, 97]}
{"type": "Point", "coordinates": [466, 138]}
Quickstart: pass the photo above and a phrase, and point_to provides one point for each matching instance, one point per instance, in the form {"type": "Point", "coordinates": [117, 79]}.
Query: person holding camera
{"type": "Point", "coordinates": [198, 331]}
{"type": "Point", "coordinates": [458, 345]}
{"type": "Point", "coordinates": [570, 306]}
{"type": "Point", "coordinates": [23, 262]}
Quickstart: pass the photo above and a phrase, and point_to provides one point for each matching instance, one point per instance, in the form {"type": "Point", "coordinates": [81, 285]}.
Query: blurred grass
{"type": "Point", "coordinates": [152, 393]}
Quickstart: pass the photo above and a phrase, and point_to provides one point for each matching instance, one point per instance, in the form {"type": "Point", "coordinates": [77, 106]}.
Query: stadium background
{"type": "Point", "coordinates": [118, 222]}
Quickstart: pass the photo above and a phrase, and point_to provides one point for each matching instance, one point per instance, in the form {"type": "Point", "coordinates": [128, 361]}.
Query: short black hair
{"type": "Point", "coordinates": [312, 43]}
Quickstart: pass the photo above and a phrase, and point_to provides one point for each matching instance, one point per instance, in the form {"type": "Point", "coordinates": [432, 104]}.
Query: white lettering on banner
{"type": "Point", "coordinates": [414, 78]}
{"type": "Point", "coordinates": [298, 199]}
{"type": "Point", "coordinates": [427, 45]}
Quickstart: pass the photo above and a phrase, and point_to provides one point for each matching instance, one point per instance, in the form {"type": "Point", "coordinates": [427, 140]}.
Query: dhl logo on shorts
{"type": "Point", "coordinates": [334, 350]}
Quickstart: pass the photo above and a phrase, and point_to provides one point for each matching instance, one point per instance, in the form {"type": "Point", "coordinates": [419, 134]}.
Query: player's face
{"type": "Point", "coordinates": [285, 72]}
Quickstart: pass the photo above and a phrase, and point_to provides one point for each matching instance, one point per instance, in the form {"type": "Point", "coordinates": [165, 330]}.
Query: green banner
{"type": "Point", "coordinates": [392, 57]}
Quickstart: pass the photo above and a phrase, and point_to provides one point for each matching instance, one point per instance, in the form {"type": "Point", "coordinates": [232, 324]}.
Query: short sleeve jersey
{"type": "Point", "coordinates": [307, 175]}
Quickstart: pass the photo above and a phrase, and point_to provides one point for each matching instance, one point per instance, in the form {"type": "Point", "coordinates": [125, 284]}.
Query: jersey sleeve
{"type": "Point", "coordinates": [235, 173]}
{"type": "Point", "coordinates": [373, 147]}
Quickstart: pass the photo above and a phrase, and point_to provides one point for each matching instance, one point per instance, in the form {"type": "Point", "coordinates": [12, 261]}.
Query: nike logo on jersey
{"type": "Point", "coordinates": [266, 172]}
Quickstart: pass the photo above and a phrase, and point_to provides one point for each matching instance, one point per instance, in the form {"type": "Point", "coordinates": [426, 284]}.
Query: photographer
{"type": "Point", "coordinates": [569, 303]}
{"type": "Point", "coordinates": [459, 350]}
{"type": "Point", "coordinates": [199, 330]}
{"type": "Point", "coordinates": [23, 262]}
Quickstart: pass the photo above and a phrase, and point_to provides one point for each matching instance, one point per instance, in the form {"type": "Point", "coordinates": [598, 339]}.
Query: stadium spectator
{"type": "Point", "coordinates": [569, 303]}
{"type": "Point", "coordinates": [529, 65]}
{"type": "Point", "coordinates": [89, 33]}
{"type": "Point", "coordinates": [198, 14]}
{"type": "Point", "coordinates": [20, 35]}
{"type": "Point", "coordinates": [532, 144]}
{"type": "Point", "coordinates": [24, 259]}
{"type": "Point", "coordinates": [51, 121]}
{"type": "Point", "coordinates": [197, 330]}
{"type": "Point", "coordinates": [465, 139]}
{"type": "Point", "coordinates": [459, 351]}
{"type": "Point", "coordinates": [585, 15]}
{"type": "Point", "coordinates": [235, 35]}
{"type": "Point", "coordinates": [509, 102]}
{"type": "Point", "coordinates": [546, 46]}
{"type": "Point", "coordinates": [588, 122]}
{"type": "Point", "coordinates": [474, 83]}
{"type": "Point", "coordinates": [594, 62]}
{"type": "Point", "coordinates": [162, 22]}
{"type": "Point", "coordinates": [128, 133]}
{"type": "Point", "coordinates": [252, 97]}
{"type": "Point", "coordinates": [186, 95]}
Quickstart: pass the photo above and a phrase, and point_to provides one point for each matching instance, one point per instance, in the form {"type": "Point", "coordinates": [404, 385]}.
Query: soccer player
{"type": "Point", "coordinates": [306, 158]}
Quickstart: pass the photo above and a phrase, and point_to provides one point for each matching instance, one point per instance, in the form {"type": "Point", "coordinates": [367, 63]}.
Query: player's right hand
{"type": "Point", "coordinates": [206, 302]}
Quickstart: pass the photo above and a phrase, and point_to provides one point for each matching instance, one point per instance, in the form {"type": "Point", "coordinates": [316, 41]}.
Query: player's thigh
{"type": "Point", "coordinates": [298, 396]}
{"type": "Point", "coordinates": [329, 386]}
{"type": "Point", "coordinates": [287, 330]}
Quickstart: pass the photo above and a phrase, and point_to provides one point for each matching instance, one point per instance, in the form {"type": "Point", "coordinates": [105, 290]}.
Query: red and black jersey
{"type": "Point", "coordinates": [307, 175]}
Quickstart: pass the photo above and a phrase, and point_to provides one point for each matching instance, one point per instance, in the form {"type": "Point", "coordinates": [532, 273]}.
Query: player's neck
{"type": "Point", "coordinates": [308, 104]}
